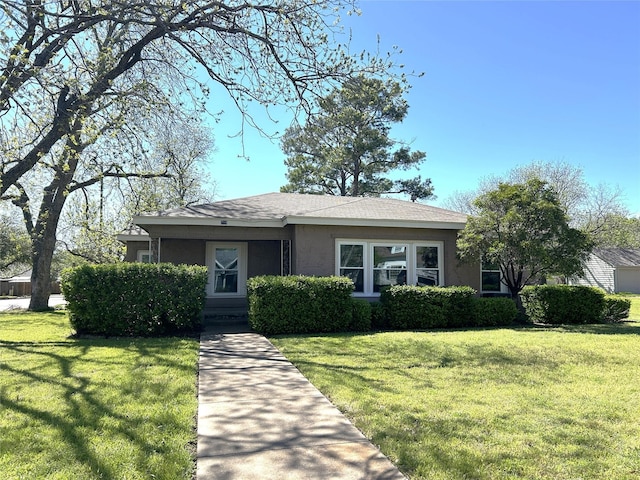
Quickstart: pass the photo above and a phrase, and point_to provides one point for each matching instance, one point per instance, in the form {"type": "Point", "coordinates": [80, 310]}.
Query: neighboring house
{"type": "Point", "coordinates": [612, 269]}
{"type": "Point", "coordinates": [19, 285]}
{"type": "Point", "coordinates": [374, 241]}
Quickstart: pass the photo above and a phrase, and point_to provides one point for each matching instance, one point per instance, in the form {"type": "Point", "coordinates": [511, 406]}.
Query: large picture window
{"type": "Point", "coordinates": [373, 265]}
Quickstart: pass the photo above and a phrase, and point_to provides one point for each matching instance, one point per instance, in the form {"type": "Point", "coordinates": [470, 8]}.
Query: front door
{"type": "Point", "coordinates": [227, 263]}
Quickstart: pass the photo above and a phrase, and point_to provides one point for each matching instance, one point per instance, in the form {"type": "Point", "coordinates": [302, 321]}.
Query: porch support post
{"type": "Point", "coordinates": [285, 257]}
{"type": "Point", "coordinates": [154, 250]}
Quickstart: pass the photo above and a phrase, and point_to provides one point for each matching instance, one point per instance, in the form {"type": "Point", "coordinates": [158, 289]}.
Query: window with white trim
{"type": "Point", "coordinates": [373, 265]}
{"type": "Point", "coordinates": [491, 278]}
{"type": "Point", "coordinates": [389, 265]}
{"type": "Point", "coordinates": [427, 265]}
{"type": "Point", "coordinates": [144, 256]}
{"type": "Point", "coordinates": [351, 264]}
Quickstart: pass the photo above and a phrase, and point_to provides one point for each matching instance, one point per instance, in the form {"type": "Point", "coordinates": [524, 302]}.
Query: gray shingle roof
{"type": "Point", "coordinates": [619, 257]}
{"type": "Point", "coordinates": [291, 208]}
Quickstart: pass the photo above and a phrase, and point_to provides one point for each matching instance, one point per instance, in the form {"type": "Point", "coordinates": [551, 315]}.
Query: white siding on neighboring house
{"type": "Point", "coordinates": [613, 269]}
{"type": "Point", "coordinates": [597, 273]}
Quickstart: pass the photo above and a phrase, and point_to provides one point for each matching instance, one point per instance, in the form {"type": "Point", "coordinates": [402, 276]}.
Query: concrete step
{"type": "Point", "coordinates": [224, 316]}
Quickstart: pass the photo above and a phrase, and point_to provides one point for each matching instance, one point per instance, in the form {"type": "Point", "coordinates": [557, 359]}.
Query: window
{"type": "Point", "coordinates": [225, 270]}
{"type": "Point", "coordinates": [389, 266]}
{"type": "Point", "coordinates": [352, 264]}
{"type": "Point", "coordinates": [144, 256]}
{"type": "Point", "coordinates": [427, 265]}
{"type": "Point", "coordinates": [373, 265]}
{"type": "Point", "coordinates": [491, 278]}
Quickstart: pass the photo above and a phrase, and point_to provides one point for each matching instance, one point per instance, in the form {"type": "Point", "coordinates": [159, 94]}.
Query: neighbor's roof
{"type": "Point", "coordinates": [19, 278]}
{"type": "Point", "coordinates": [280, 209]}
{"type": "Point", "coordinates": [619, 257]}
{"type": "Point", "coordinates": [133, 233]}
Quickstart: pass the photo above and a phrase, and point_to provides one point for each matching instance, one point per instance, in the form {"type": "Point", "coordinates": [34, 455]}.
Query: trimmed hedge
{"type": "Point", "coordinates": [410, 307]}
{"type": "Point", "coordinates": [616, 309]}
{"type": "Point", "coordinates": [494, 311]}
{"type": "Point", "coordinates": [563, 304]}
{"type": "Point", "coordinates": [300, 304]}
{"type": "Point", "coordinates": [135, 299]}
{"type": "Point", "coordinates": [361, 315]}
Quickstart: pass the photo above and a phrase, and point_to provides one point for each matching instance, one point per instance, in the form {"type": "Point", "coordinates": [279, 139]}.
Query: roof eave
{"type": "Point", "coordinates": [146, 220]}
{"type": "Point", "coordinates": [367, 222]}
{"type": "Point", "coordinates": [127, 237]}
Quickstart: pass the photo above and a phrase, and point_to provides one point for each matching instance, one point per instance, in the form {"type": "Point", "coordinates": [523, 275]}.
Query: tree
{"type": "Point", "coordinates": [105, 209]}
{"type": "Point", "coordinates": [592, 209]}
{"type": "Point", "coordinates": [524, 230]}
{"type": "Point", "coordinates": [616, 231]}
{"type": "Point", "coordinates": [74, 75]}
{"type": "Point", "coordinates": [345, 149]}
{"type": "Point", "coordinates": [15, 247]}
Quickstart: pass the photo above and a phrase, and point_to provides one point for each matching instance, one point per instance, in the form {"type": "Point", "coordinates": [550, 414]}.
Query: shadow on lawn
{"type": "Point", "coordinates": [61, 395]}
{"type": "Point", "coordinates": [623, 328]}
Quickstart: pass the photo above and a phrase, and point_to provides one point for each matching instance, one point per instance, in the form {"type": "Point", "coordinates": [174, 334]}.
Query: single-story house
{"type": "Point", "coordinates": [20, 285]}
{"type": "Point", "coordinates": [612, 269]}
{"type": "Point", "coordinates": [374, 241]}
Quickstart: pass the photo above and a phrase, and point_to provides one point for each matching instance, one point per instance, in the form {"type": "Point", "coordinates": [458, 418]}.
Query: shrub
{"type": "Point", "coordinates": [458, 304]}
{"type": "Point", "coordinates": [299, 304]}
{"type": "Point", "coordinates": [558, 304]}
{"type": "Point", "coordinates": [134, 299]}
{"type": "Point", "coordinates": [379, 317]}
{"type": "Point", "coordinates": [615, 309]}
{"type": "Point", "coordinates": [361, 315]}
{"type": "Point", "coordinates": [494, 311]}
{"type": "Point", "coordinates": [412, 307]}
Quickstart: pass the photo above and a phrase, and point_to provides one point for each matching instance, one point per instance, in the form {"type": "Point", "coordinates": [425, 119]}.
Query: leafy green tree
{"type": "Point", "coordinates": [616, 231]}
{"type": "Point", "coordinates": [596, 210]}
{"type": "Point", "coordinates": [345, 148]}
{"type": "Point", "coordinates": [524, 230]}
{"type": "Point", "coordinates": [15, 246]}
{"type": "Point", "coordinates": [75, 76]}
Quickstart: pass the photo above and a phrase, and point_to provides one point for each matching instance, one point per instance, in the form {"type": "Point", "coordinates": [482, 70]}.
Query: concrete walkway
{"type": "Point", "coordinates": [259, 418]}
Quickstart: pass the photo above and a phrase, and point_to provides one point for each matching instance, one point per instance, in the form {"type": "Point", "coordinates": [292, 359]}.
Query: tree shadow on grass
{"type": "Point", "coordinates": [64, 393]}
{"type": "Point", "coordinates": [621, 328]}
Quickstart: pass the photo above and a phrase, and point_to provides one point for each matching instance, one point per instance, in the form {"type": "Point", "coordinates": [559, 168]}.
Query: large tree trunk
{"type": "Point", "coordinates": [43, 247]}
{"type": "Point", "coordinates": [43, 241]}
{"type": "Point", "coordinates": [43, 234]}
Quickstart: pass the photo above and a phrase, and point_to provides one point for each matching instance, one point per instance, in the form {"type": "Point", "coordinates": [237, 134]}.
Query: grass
{"type": "Point", "coordinates": [634, 313]}
{"type": "Point", "coordinates": [94, 408]}
{"type": "Point", "coordinates": [525, 403]}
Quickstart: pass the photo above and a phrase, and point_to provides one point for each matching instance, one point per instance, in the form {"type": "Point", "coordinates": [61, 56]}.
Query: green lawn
{"type": "Point", "coordinates": [527, 403]}
{"type": "Point", "coordinates": [634, 313]}
{"type": "Point", "coordinates": [94, 408]}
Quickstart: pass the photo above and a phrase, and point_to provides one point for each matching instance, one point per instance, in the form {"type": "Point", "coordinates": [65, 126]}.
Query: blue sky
{"type": "Point", "coordinates": [505, 83]}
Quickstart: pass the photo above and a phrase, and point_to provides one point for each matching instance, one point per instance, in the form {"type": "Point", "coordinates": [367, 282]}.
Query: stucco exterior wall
{"type": "Point", "coordinates": [263, 255]}
{"type": "Point", "coordinates": [314, 249]}
{"type": "Point", "coordinates": [131, 254]}
{"type": "Point", "coordinates": [188, 252]}
{"type": "Point", "coordinates": [263, 258]}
